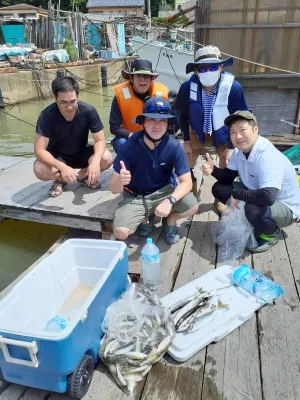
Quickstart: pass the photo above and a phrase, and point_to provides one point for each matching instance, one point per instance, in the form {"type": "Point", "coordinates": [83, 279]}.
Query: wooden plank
{"type": "Point", "coordinates": [13, 392]}
{"type": "Point", "coordinates": [170, 262]}
{"type": "Point", "coordinates": [240, 351]}
{"type": "Point", "coordinates": [44, 217]}
{"type": "Point", "coordinates": [35, 394]}
{"type": "Point", "coordinates": [279, 328]}
{"type": "Point", "coordinates": [292, 241]}
{"type": "Point", "coordinates": [78, 199]}
{"type": "Point", "coordinates": [20, 187]}
{"type": "Point", "coordinates": [8, 161]}
{"type": "Point", "coordinates": [169, 379]}
{"type": "Point", "coordinates": [3, 386]}
{"type": "Point", "coordinates": [232, 369]}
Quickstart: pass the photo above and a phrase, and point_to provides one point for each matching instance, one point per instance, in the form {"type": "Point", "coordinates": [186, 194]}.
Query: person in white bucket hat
{"type": "Point", "coordinates": [204, 101]}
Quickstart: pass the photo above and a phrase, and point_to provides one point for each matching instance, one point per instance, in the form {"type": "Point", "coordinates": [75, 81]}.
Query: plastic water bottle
{"type": "Point", "coordinates": [256, 283]}
{"type": "Point", "coordinates": [57, 323]}
{"type": "Point", "coordinates": [151, 265]}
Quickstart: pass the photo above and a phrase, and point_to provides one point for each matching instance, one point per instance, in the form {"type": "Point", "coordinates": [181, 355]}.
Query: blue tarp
{"type": "Point", "coordinates": [93, 35]}
{"type": "Point", "coordinates": [62, 35]}
{"type": "Point", "coordinates": [13, 34]}
{"type": "Point", "coordinates": [121, 39]}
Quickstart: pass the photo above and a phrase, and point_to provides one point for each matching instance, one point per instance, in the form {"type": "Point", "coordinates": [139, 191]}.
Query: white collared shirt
{"type": "Point", "coordinates": [267, 167]}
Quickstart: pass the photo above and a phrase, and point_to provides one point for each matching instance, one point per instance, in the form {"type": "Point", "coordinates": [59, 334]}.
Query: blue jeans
{"type": "Point", "coordinates": [117, 143]}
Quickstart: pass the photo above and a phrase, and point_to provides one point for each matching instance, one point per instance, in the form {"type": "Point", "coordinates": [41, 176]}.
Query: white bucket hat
{"type": "Point", "coordinates": [208, 55]}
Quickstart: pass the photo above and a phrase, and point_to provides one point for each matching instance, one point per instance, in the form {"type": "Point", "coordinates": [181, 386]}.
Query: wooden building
{"type": "Point", "coordinates": [260, 34]}
{"type": "Point", "coordinates": [131, 8]}
{"type": "Point", "coordinates": [22, 11]}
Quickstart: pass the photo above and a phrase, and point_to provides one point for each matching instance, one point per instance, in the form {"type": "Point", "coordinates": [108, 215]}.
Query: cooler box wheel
{"type": "Point", "coordinates": [80, 379]}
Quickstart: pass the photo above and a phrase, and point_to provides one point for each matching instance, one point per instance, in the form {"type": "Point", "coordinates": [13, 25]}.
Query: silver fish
{"type": "Point", "coordinates": [120, 377]}
{"type": "Point", "coordinates": [136, 355]}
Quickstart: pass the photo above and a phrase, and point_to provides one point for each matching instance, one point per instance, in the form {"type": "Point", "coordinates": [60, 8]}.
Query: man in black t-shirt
{"type": "Point", "coordinates": [61, 140]}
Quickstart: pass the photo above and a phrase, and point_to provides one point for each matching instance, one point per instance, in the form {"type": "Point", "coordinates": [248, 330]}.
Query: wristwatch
{"type": "Point", "coordinates": [172, 200]}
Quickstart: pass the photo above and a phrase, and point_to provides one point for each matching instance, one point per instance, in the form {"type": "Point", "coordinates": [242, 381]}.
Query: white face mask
{"type": "Point", "coordinates": [209, 78]}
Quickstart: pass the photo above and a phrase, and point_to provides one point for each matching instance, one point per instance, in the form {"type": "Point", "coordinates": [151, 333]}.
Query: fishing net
{"type": "Point", "coordinates": [233, 233]}
{"type": "Point", "coordinates": [138, 331]}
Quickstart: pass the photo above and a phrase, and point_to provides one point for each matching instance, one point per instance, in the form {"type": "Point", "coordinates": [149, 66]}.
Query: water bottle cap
{"type": "Point", "coordinates": [149, 240]}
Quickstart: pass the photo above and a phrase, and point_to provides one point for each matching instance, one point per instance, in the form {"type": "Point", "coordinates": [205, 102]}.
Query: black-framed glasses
{"type": "Point", "coordinates": [206, 68]}
{"type": "Point", "coordinates": [64, 103]}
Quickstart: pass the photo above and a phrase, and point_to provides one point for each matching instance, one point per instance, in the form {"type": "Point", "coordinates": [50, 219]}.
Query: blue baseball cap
{"type": "Point", "coordinates": [156, 108]}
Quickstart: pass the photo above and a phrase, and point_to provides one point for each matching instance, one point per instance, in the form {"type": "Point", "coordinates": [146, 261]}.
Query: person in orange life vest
{"type": "Point", "coordinates": [129, 100]}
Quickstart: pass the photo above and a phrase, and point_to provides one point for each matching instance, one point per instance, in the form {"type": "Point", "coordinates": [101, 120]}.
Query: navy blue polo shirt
{"type": "Point", "coordinates": [151, 169]}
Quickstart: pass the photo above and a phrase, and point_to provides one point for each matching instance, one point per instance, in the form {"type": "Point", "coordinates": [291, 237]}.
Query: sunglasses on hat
{"type": "Point", "coordinates": [157, 109]}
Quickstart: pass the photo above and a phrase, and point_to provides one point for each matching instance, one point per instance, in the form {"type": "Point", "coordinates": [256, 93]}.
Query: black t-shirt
{"type": "Point", "coordinates": [68, 138]}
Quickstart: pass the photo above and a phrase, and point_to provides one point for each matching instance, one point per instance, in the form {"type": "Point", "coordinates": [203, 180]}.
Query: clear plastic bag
{"type": "Point", "coordinates": [233, 233]}
{"type": "Point", "coordinates": [138, 331]}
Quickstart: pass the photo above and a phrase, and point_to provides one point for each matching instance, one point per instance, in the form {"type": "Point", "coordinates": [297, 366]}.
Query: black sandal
{"type": "Point", "coordinates": [83, 181]}
{"type": "Point", "coordinates": [57, 187]}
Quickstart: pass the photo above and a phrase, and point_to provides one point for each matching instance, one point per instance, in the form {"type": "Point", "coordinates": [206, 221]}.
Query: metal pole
{"type": "Point", "coordinates": [149, 13]}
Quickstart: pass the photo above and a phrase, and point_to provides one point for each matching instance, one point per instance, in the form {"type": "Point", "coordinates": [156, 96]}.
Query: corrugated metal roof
{"type": "Point", "coordinates": [115, 3]}
{"type": "Point", "coordinates": [22, 6]}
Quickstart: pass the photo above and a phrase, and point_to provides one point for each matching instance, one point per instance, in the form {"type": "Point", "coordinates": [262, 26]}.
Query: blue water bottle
{"type": "Point", "coordinates": [151, 265]}
{"type": "Point", "coordinates": [256, 283]}
{"type": "Point", "coordinates": [57, 323]}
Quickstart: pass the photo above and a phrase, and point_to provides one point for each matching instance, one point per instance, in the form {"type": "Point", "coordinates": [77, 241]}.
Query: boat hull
{"type": "Point", "coordinates": [169, 63]}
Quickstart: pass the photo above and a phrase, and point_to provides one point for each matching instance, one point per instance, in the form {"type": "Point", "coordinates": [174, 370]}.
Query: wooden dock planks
{"type": "Point", "coordinates": [259, 360]}
{"type": "Point", "coordinates": [24, 197]}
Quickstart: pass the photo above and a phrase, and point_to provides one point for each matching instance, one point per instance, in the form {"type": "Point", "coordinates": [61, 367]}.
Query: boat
{"type": "Point", "coordinates": [168, 62]}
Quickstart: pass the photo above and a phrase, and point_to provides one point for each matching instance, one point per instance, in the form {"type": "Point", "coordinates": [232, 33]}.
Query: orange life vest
{"type": "Point", "coordinates": [131, 106]}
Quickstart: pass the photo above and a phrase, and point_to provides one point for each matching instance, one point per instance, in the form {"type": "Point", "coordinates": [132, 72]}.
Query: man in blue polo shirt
{"type": "Point", "coordinates": [143, 171]}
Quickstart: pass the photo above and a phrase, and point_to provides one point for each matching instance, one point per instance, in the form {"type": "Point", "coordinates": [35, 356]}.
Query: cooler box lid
{"type": "Point", "coordinates": [221, 322]}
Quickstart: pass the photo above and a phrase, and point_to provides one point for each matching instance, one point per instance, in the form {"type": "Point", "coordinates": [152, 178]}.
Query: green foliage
{"type": "Point", "coordinates": [70, 48]}
{"type": "Point", "coordinates": [154, 7]}
{"type": "Point", "coordinates": [171, 3]}
{"type": "Point", "coordinates": [159, 20]}
{"type": "Point", "coordinates": [181, 20]}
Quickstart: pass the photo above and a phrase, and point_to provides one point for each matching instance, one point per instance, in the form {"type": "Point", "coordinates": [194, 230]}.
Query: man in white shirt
{"type": "Point", "coordinates": [268, 186]}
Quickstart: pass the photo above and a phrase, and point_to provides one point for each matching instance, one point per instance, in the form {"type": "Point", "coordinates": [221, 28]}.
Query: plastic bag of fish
{"type": "Point", "coordinates": [138, 331]}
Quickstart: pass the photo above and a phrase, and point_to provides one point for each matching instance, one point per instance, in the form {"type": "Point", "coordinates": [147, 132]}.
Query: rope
{"type": "Point", "coordinates": [250, 62]}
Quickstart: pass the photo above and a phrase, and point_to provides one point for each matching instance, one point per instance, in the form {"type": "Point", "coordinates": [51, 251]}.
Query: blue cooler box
{"type": "Point", "coordinates": [79, 279]}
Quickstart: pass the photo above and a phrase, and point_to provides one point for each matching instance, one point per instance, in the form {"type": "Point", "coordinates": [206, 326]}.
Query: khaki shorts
{"type": "Point", "coordinates": [280, 212]}
{"type": "Point", "coordinates": [224, 153]}
{"type": "Point", "coordinates": [131, 210]}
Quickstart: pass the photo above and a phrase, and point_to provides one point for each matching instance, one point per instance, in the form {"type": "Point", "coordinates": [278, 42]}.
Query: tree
{"type": "Point", "coordinates": [154, 8]}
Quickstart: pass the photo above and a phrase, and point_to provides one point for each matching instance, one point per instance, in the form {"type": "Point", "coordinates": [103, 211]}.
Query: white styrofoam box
{"type": "Point", "coordinates": [43, 292]}
{"type": "Point", "coordinates": [215, 326]}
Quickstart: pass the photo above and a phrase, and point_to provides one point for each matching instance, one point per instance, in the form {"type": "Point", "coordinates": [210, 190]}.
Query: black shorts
{"type": "Point", "coordinates": [80, 160]}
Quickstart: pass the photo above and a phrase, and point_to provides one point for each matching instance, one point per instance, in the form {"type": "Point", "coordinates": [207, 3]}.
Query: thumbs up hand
{"type": "Point", "coordinates": [124, 174]}
{"type": "Point", "coordinates": [208, 167]}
